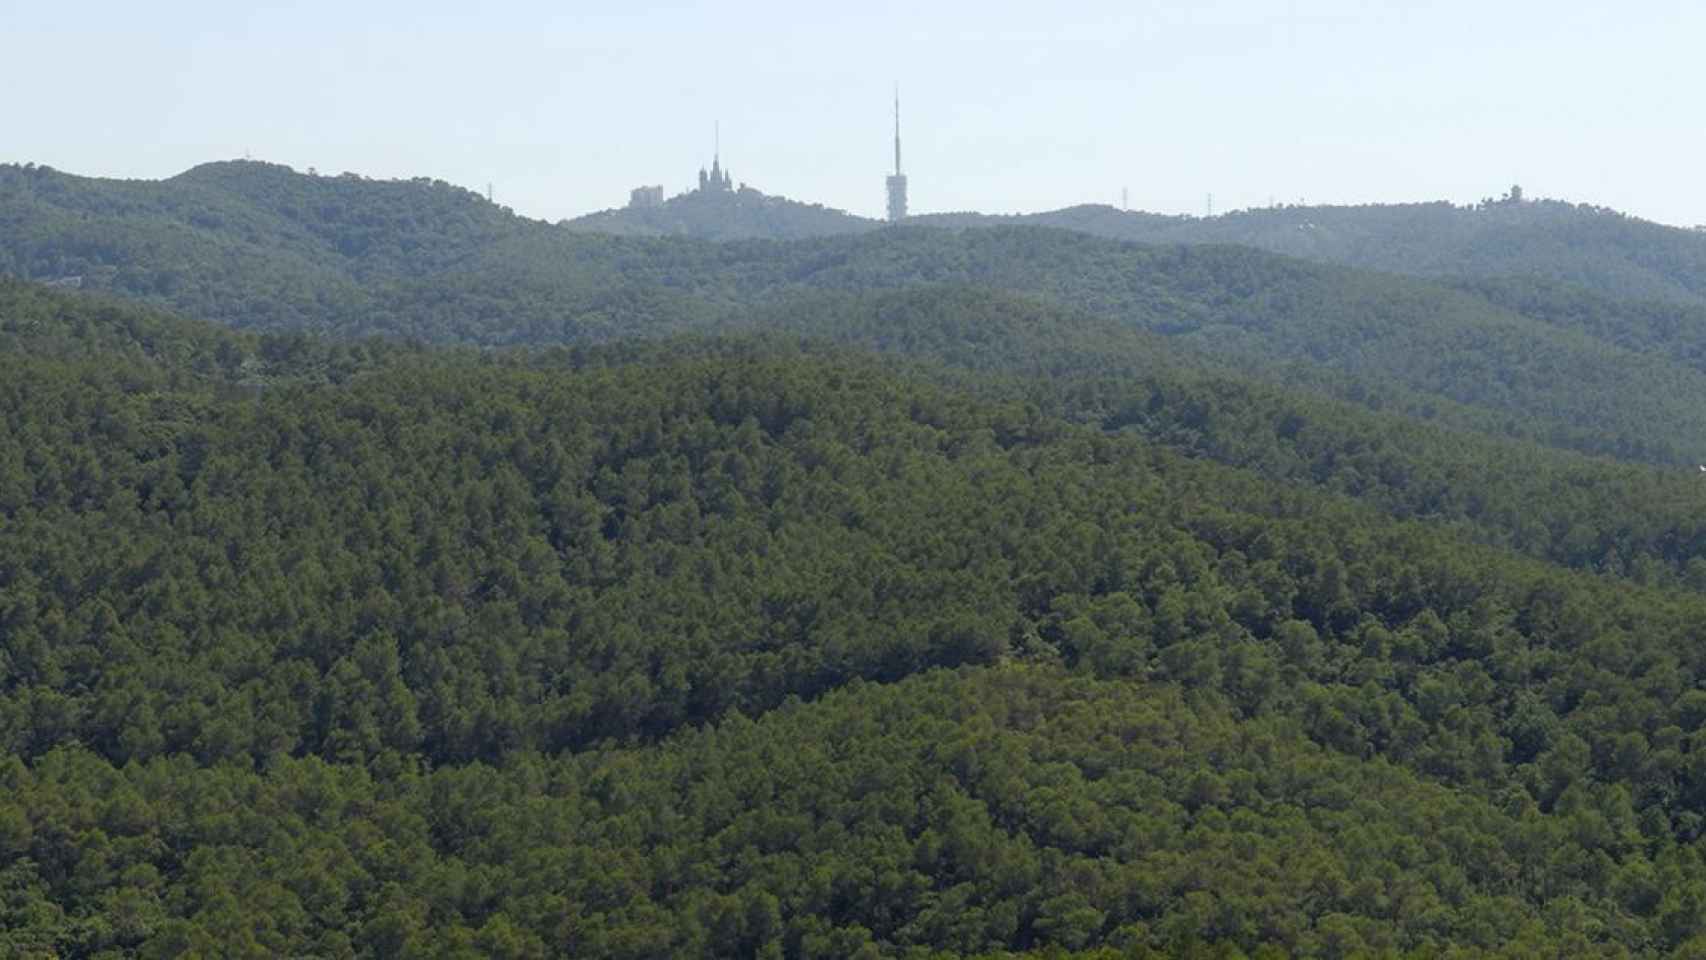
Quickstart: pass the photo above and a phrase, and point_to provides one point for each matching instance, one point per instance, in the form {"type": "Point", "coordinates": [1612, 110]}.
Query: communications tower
{"type": "Point", "coordinates": [897, 180]}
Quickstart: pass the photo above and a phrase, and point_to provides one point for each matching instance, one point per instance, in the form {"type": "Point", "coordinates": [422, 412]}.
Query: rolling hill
{"type": "Point", "coordinates": [1572, 245]}
{"type": "Point", "coordinates": [257, 246]}
{"type": "Point", "coordinates": [1605, 252]}
{"type": "Point", "coordinates": [698, 648]}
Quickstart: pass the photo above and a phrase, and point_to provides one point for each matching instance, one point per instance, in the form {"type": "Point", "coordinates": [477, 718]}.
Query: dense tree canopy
{"type": "Point", "coordinates": [757, 647]}
{"type": "Point", "coordinates": [473, 586]}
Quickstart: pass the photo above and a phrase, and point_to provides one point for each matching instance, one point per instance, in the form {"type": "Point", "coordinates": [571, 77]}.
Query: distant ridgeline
{"type": "Point", "coordinates": [1493, 344]}
{"type": "Point", "coordinates": [1590, 247]}
{"type": "Point", "coordinates": [53, 234]}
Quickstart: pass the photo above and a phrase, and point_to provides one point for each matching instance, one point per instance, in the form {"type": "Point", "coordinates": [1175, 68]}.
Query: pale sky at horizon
{"type": "Point", "coordinates": [1006, 106]}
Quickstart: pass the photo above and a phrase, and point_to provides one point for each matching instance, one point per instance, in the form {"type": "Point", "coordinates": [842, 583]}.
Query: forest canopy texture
{"type": "Point", "coordinates": [922, 593]}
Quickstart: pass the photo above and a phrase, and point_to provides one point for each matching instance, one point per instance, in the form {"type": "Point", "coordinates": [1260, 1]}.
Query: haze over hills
{"type": "Point", "coordinates": [1576, 244]}
{"type": "Point", "coordinates": [741, 213]}
{"type": "Point", "coordinates": [1591, 247]}
{"type": "Point", "coordinates": [1588, 246]}
{"type": "Point", "coordinates": [258, 246]}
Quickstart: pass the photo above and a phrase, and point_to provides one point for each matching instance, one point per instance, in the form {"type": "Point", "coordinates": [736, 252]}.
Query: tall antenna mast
{"type": "Point", "coordinates": [897, 180]}
{"type": "Point", "coordinates": [897, 129]}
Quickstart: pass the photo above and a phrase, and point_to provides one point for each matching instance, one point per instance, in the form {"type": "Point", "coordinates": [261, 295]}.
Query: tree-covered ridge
{"type": "Point", "coordinates": [1288, 321]}
{"type": "Point", "coordinates": [1616, 256]}
{"type": "Point", "coordinates": [1585, 513]}
{"type": "Point", "coordinates": [1673, 330]}
{"type": "Point", "coordinates": [1611, 254]}
{"type": "Point", "coordinates": [258, 246]}
{"type": "Point", "coordinates": [40, 322]}
{"type": "Point", "coordinates": [407, 227]}
{"type": "Point", "coordinates": [113, 338]}
{"type": "Point", "coordinates": [416, 226]}
{"type": "Point", "coordinates": [507, 654]}
{"type": "Point", "coordinates": [1351, 333]}
{"type": "Point", "coordinates": [1577, 511]}
{"type": "Point", "coordinates": [244, 243]}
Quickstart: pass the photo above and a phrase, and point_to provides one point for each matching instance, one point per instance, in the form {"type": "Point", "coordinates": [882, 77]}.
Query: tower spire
{"type": "Point", "coordinates": [897, 180]}
{"type": "Point", "coordinates": [897, 129]}
{"type": "Point", "coordinates": [719, 178]}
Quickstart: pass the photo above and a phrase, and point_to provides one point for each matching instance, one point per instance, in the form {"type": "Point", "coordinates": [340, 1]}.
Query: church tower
{"type": "Point", "coordinates": [718, 180]}
{"type": "Point", "coordinates": [897, 180]}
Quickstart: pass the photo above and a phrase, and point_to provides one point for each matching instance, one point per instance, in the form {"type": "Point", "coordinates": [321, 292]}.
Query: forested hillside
{"type": "Point", "coordinates": [422, 224]}
{"type": "Point", "coordinates": [1601, 250]}
{"type": "Point", "coordinates": [1676, 331]}
{"type": "Point", "coordinates": [1576, 245]}
{"type": "Point", "coordinates": [1582, 512]}
{"type": "Point", "coordinates": [1579, 511]}
{"type": "Point", "coordinates": [760, 647]}
{"type": "Point", "coordinates": [257, 246]}
{"type": "Point", "coordinates": [1434, 351]}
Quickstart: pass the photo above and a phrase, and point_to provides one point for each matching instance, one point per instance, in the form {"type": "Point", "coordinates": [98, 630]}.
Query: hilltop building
{"type": "Point", "coordinates": [718, 180]}
{"type": "Point", "coordinates": [897, 180]}
{"type": "Point", "coordinates": [714, 180]}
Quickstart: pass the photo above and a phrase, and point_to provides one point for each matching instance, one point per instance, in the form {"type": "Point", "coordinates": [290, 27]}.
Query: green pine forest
{"type": "Point", "coordinates": [383, 574]}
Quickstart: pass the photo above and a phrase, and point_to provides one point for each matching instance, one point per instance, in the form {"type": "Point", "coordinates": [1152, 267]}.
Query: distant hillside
{"type": "Point", "coordinates": [1581, 512]}
{"type": "Point", "coordinates": [1599, 250]}
{"type": "Point", "coordinates": [1352, 333]}
{"type": "Point", "coordinates": [1604, 251]}
{"type": "Point", "coordinates": [245, 243]}
{"type": "Point", "coordinates": [739, 214]}
{"type": "Point", "coordinates": [259, 246]}
{"type": "Point", "coordinates": [347, 222]}
{"type": "Point", "coordinates": [1663, 328]}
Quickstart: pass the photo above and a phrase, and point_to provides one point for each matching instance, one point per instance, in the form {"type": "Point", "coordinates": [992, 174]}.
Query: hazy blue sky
{"type": "Point", "coordinates": [1006, 106]}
